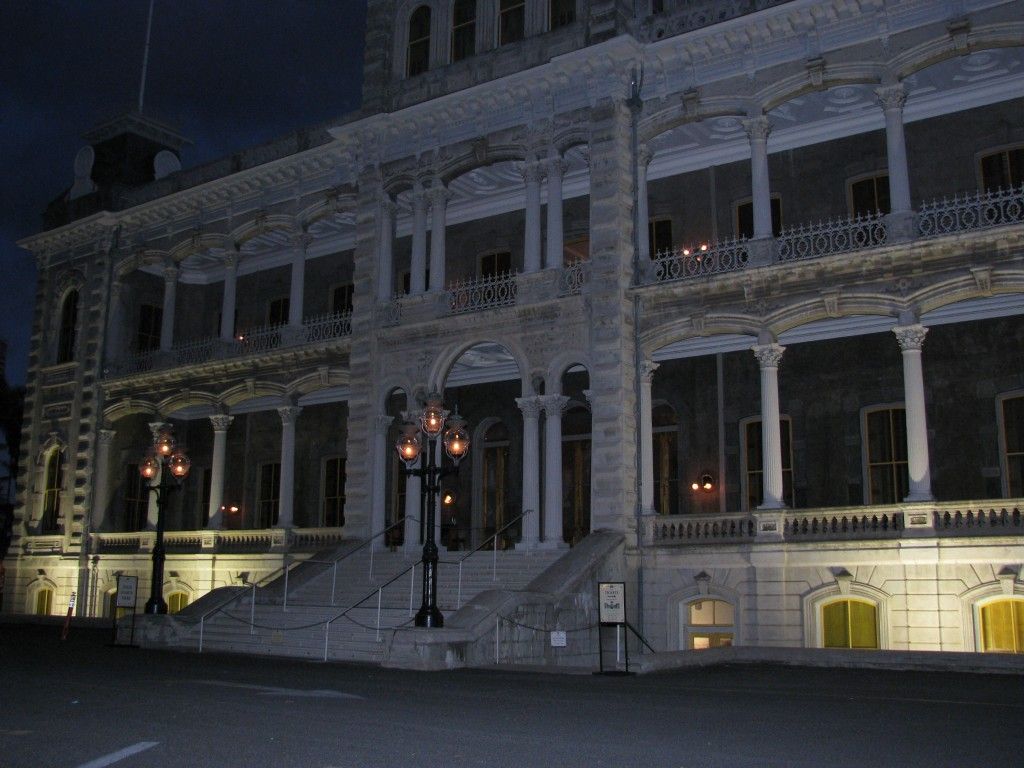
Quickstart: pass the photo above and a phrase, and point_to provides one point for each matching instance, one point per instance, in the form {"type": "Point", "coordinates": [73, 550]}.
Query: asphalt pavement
{"type": "Point", "coordinates": [81, 703]}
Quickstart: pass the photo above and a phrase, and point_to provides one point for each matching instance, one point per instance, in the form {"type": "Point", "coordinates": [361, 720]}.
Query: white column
{"type": "Point", "coordinates": [530, 406]}
{"type": "Point", "coordinates": [152, 510]}
{"type": "Point", "coordinates": [911, 337]}
{"type": "Point", "coordinates": [554, 406]}
{"type": "Point", "coordinates": [385, 267]}
{"type": "Point", "coordinates": [553, 258]}
{"type": "Point", "coordinates": [647, 370]}
{"type": "Point", "coordinates": [768, 358]}
{"type": "Point", "coordinates": [438, 210]}
{"type": "Point", "coordinates": [170, 292]}
{"type": "Point", "coordinates": [891, 99]}
{"type": "Point", "coordinates": [286, 504]}
{"type": "Point", "coordinates": [298, 281]}
{"type": "Point", "coordinates": [531, 247]}
{"type": "Point", "coordinates": [380, 467]}
{"type": "Point", "coordinates": [757, 130]}
{"type": "Point", "coordinates": [220, 423]}
{"type": "Point", "coordinates": [101, 486]}
{"type": "Point", "coordinates": [418, 266]}
{"type": "Point", "coordinates": [643, 215]}
{"type": "Point", "coordinates": [227, 305]}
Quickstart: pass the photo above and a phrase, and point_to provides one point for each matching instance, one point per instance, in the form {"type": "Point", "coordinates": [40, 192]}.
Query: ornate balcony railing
{"type": "Point", "coordinates": [684, 263]}
{"type": "Point", "coordinates": [826, 238]}
{"type": "Point", "coordinates": [571, 281]}
{"type": "Point", "coordinates": [258, 340]}
{"type": "Point", "coordinates": [327, 327]}
{"type": "Point", "coordinates": [973, 210]}
{"type": "Point", "coordinates": [482, 293]}
{"type": "Point", "coordinates": [946, 519]}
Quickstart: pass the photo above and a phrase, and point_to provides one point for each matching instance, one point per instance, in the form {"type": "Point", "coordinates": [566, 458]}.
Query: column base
{"type": "Point", "coordinates": [550, 545]}
{"type": "Point", "coordinates": [900, 226]}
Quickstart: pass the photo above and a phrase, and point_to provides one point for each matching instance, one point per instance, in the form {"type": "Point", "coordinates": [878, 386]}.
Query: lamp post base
{"type": "Point", "coordinates": [429, 617]}
{"type": "Point", "coordinates": [155, 606]}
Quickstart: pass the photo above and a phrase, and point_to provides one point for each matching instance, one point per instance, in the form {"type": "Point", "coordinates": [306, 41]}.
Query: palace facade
{"type": "Point", "coordinates": [739, 283]}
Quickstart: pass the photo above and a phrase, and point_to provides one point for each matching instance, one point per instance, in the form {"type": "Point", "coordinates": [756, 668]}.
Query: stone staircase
{"type": "Point", "coordinates": [331, 613]}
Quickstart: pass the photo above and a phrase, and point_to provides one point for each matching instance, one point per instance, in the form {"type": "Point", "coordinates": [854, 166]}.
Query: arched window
{"type": "Point", "coordinates": [1001, 626]}
{"type": "Point", "coordinates": [463, 29]}
{"type": "Point", "coordinates": [849, 624]}
{"type": "Point", "coordinates": [666, 463]}
{"type": "Point", "coordinates": [68, 328]}
{"type": "Point", "coordinates": [176, 601]}
{"type": "Point", "coordinates": [710, 624]}
{"type": "Point", "coordinates": [53, 482]}
{"type": "Point", "coordinates": [418, 51]}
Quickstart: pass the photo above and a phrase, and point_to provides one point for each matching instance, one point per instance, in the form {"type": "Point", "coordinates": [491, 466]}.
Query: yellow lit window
{"type": "Point", "coordinates": [176, 601]}
{"type": "Point", "coordinates": [1002, 626]}
{"type": "Point", "coordinates": [711, 623]}
{"type": "Point", "coordinates": [44, 602]}
{"type": "Point", "coordinates": [850, 624]}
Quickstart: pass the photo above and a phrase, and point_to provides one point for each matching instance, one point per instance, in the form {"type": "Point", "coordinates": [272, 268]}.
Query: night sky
{"type": "Point", "coordinates": [227, 74]}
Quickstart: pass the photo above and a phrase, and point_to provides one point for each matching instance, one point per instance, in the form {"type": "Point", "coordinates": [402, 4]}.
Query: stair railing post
{"type": "Point", "coordinates": [412, 586]}
{"type": "Point", "coordinates": [334, 581]}
{"type": "Point", "coordinates": [494, 559]}
{"type": "Point", "coordinates": [371, 562]}
{"type": "Point", "coordinates": [327, 635]}
{"type": "Point", "coordinates": [379, 590]}
{"type": "Point", "coordinates": [202, 622]}
{"type": "Point", "coordinates": [459, 601]}
{"type": "Point", "coordinates": [284, 606]}
{"type": "Point", "coordinates": [252, 611]}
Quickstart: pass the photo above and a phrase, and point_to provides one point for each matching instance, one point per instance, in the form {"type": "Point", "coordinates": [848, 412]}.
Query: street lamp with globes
{"type": "Point", "coordinates": [169, 466]}
{"type": "Point", "coordinates": [410, 447]}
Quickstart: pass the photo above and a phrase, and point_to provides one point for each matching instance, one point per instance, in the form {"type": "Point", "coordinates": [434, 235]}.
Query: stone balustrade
{"type": "Point", "coordinates": [236, 541]}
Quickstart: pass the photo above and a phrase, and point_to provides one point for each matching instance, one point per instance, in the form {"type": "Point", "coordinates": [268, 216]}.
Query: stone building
{"type": "Point", "coordinates": [738, 284]}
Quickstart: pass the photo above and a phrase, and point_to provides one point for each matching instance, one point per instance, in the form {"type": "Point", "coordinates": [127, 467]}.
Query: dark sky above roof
{"type": "Point", "coordinates": [227, 74]}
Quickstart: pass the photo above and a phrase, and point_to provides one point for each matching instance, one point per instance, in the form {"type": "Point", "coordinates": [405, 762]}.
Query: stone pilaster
{"type": "Point", "coordinates": [553, 258]}
{"type": "Point", "coordinates": [380, 467]}
{"type": "Point", "coordinates": [911, 339]}
{"type": "Point", "coordinates": [286, 503]}
{"type": "Point", "coordinates": [532, 174]}
{"type": "Point", "coordinates": [170, 294]}
{"type": "Point", "coordinates": [647, 370]}
{"type": "Point", "coordinates": [768, 358]}
{"type": "Point", "coordinates": [554, 407]}
{"type": "Point", "coordinates": [220, 423]}
{"type": "Point", "coordinates": [438, 223]}
{"type": "Point", "coordinates": [757, 130]}
{"type": "Point", "coordinates": [227, 305]}
{"type": "Point", "coordinates": [531, 408]}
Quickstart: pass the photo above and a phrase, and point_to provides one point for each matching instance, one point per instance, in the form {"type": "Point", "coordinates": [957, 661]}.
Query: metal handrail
{"type": "Point", "coordinates": [483, 545]}
{"type": "Point", "coordinates": [274, 575]}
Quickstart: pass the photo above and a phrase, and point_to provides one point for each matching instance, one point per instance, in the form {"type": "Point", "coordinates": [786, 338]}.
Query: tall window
{"type": "Point", "coordinates": [136, 499]}
{"type": "Point", "coordinates": [269, 497]}
{"type": "Point", "coordinates": [494, 507]}
{"type": "Point", "coordinates": [576, 250]}
{"type": "Point", "coordinates": [886, 459]}
{"type": "Point", "coordinates": [334, 492]}
{"type": "Point", "coordinates": [407, 280]}
{"type": "Point", "coordinates": [1002, 626]}
{"type": "Point", "coordinates": [666, 472]}
{"type": "Point", "coordinates": [1012, 412]}
{"type": "Point", "coordinates": [745, 218]}
{"type": "Point", "coordinates": [150, 319]}
{"type": "Point", "coordinates": [849, 624]}
{"type": "Point", "coordinates": [711, 624]}
{"type": "Point", "coordinates": [68, 328]}
{"type": "Point", "coordinates": [176, 601]}
{"type": "Point", "coordinates": [659, 236]}
{"type": "Point", "coordinates": [870, 195]}
{"type": "Point", "coordinates": [463, 29]}
{"type": "Point", "coordinates": [563, 12]}
{"type": "Point", "coordinates": [418, 51]}
{"type": "Point", "coordinates": [511, 21]}
{"type": "Point", "coordinates": [341, 299]}
{"type": "Point", "coordinates": [1003, 169]}
{"type": "Point", "coordinates": [44, 602]}
{"type": "Point", "coordinates": [576, 427]}
{"type": "Point", "coordinates": [492, 264]}
{"type": "Point", "coordinates": [753, 461]}
{"type": "Point", "coordinates": [53, 482]}
{"type": "Point", "coordinates": [277, 311]}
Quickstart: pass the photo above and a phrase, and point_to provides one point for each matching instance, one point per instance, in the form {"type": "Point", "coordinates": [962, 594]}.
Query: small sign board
{"type": "Point", "coordinates": [558, 639]}
{"type": "Point", "coordinates": [611, 597]}
{"type": "Point", "coordinates": [127, 589]}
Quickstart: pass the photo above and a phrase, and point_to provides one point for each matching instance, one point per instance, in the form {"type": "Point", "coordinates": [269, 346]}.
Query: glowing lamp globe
{"type": "Point", "coordinates": [164, 443]}
{"type": "Point", "coordinates": [432, 418]}
{"type": "Point", "coordinates": [149, 467]}
{"type": "Point", "coordinates": [180, 465]}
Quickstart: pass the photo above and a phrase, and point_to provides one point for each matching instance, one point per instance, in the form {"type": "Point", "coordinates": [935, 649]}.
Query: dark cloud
{"type": "Point", "coordinates": [227, 74]}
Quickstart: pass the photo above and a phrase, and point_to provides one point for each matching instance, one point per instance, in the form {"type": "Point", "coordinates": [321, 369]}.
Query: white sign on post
{"type": "Point", "coordinates": [558, 639]}
{"type": "Point", "coordinates": [127, 588]}
{"type": "Point", "coordinates": [611, 602]}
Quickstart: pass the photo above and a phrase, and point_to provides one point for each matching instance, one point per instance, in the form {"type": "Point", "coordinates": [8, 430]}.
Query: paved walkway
{"type": "Point", "coordinates": [83, 704]}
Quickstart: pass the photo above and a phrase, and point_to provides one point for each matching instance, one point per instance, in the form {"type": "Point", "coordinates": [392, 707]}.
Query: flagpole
{"type": "Point", "coordinates": [145, 57]}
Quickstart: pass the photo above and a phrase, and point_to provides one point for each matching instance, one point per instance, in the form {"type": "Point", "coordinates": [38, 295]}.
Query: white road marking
{"type": "Point", "coordinates": [268, 690]}
{"type": "Point", "coordinates": [121, 754]}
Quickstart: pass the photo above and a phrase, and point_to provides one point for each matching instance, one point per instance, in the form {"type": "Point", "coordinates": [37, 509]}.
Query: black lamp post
{"type": "Point", "coordinates": [171, 465]}
{"type": "Point", "coordinates": [456, 443]}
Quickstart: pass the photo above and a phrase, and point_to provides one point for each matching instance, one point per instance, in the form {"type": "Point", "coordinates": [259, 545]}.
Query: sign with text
{"type": "Point", "coordinates": [611, 602]}
{"type": "Point", "coordinates": [127, 589]}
